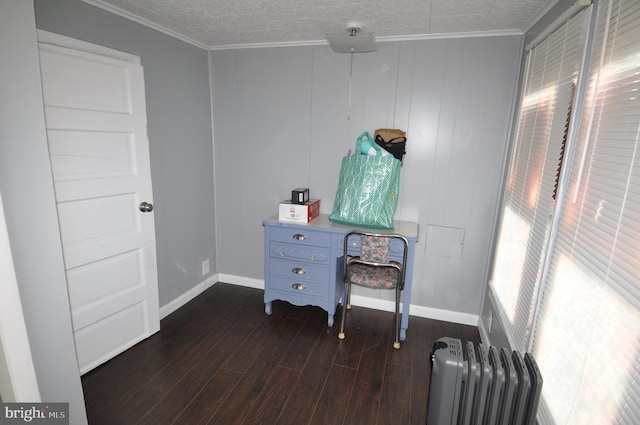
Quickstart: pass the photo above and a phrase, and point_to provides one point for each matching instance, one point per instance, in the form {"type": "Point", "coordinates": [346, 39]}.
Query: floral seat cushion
{"type": "Point", "coordinates": [373, 277]}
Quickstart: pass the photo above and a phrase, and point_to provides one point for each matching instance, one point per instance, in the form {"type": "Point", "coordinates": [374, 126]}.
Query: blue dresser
{"type": "Point", "coordinates": [303, 263]}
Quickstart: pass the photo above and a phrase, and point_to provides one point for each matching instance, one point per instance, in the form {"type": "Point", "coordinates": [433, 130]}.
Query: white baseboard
{"type": "Point", "coordinates": [181, 300]}
{"type": "Point", "coordinates": [484, 335]}
{"type": "Point", "coordinates": [445, 315]}
{"type": "Point", "coordinates": [356, 300]}
{"type": "Point", "coordinates": [377, 304]}
{"type": "Point", "coordinates": [241, 281]}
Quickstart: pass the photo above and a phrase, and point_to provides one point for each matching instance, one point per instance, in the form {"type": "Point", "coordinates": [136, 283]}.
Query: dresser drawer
{"type": "Point", "coordinates": [301, 236]}
{"type": "Point", "coordinates": [299, 253]}
{"type": "Point", "coordinates": [397, 247]}
{"type": "Point", "coordinates": [297, 287]}
{"type": "Point", "coordinates": [300, 270]}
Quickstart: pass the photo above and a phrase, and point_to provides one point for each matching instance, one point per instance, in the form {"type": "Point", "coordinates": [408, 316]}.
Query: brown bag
{"type": "Point", "coordinates": [392, 140]}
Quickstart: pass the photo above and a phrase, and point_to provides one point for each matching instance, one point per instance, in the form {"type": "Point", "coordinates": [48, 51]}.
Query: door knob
{"type": "Point", "coordinates": [145, 207]}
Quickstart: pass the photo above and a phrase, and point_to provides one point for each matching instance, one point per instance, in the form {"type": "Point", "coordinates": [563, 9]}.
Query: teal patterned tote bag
{"type": "Point", "coordinates": [368, 187]}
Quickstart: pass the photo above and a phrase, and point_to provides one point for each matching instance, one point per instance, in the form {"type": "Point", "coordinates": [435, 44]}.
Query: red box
{"type": "Point", "coordinates": [298, 213]}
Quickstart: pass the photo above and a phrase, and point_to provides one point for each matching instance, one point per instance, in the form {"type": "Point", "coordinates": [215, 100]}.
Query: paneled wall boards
{"type": "Point", "coordinates": [280, 122]}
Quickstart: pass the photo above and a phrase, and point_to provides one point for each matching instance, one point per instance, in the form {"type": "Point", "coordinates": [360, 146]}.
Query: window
{"type": "Point", "coordinates": [567, 268]}
{"type": "Point", "coordinates": [587, 339]}
{"type": "Point", "coordinates": [552, 69]}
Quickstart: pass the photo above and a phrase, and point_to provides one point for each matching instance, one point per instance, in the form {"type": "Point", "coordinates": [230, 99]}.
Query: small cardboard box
{"type": "Point", "coordinates": [298, 213]}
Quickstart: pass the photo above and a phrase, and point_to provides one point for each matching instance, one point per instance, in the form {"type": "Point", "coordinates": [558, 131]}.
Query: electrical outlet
{"type": "Point", "coordinates": [205, 267]}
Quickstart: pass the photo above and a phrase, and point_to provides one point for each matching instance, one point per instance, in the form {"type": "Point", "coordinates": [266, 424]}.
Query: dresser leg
{"type": "Point", "coordinates": [330, 321]}
{"type": "Point", "coordinates": [267, 307]}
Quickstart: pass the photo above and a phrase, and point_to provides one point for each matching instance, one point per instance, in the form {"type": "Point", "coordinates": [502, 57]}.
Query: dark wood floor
{"type": "Point", "coordinates": [221, 360]}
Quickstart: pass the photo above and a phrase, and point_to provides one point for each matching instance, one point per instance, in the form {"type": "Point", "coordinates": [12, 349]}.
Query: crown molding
{"type": "Point", "coordinates": [417, 37]}
{"type": "Point", "coordinates": [132, 17]}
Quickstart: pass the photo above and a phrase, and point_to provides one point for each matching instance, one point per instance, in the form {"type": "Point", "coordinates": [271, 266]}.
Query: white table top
{"type": "Point", "coordinates": [408, 229]}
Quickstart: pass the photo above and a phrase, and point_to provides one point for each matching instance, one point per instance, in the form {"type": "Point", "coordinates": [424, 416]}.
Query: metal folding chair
{"type": "Point", "coordinates": [375, 267]}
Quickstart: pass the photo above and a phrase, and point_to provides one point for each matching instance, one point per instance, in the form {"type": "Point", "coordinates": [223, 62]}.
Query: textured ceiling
{"type": "Point", "coordinates": [233, 23]}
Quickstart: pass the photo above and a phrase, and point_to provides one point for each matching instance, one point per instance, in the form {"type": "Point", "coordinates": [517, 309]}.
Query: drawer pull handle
{"type": "Point", "coordinates": [283, 253]}
{"type": "Point", "coordinates": [299, 237]}
{"type": "Point", "coordinates": [312, 258]}
{"type": "Point", "coordinates": [298, 270]}
{"type": "Point", "coordinates": [298, 286]}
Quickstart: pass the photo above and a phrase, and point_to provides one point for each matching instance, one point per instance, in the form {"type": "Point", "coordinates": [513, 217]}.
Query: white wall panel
{"type": "Point", "coordinates": [264, 106]}
{"type": "Point", "coordinates": [282, 121]}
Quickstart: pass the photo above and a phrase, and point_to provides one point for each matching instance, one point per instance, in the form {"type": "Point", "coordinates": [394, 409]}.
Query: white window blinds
{"type": "Point", "coordinates": [587, 339]}
{"type": "Point", "coordinates": [551, 71]}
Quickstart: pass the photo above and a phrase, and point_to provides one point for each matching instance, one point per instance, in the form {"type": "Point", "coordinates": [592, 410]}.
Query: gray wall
{"type": "Point", "coordinates": [179, 122]}
{"type": "Point", "coordinates": [27, 191]}
{"type": "Point", "coordinates": [281, 122]}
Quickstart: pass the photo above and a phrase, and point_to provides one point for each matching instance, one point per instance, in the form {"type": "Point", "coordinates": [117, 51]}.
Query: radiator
{"type": "Point", "coordinates": [481, 386]}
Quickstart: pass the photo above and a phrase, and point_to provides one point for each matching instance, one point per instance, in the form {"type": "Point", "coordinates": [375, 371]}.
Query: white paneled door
{"type": "Point", "coordinates": [96, 126]}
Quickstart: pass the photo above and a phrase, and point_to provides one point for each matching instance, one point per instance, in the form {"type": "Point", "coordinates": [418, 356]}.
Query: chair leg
{"type": "Point", "coordinates": [347, 290]}
{"type": "Point", "coordinates": [396, 343]}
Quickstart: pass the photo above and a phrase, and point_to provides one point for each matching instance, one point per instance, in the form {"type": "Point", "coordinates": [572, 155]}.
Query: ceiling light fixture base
{"type": "Point", "coordinates": [355, 41]}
